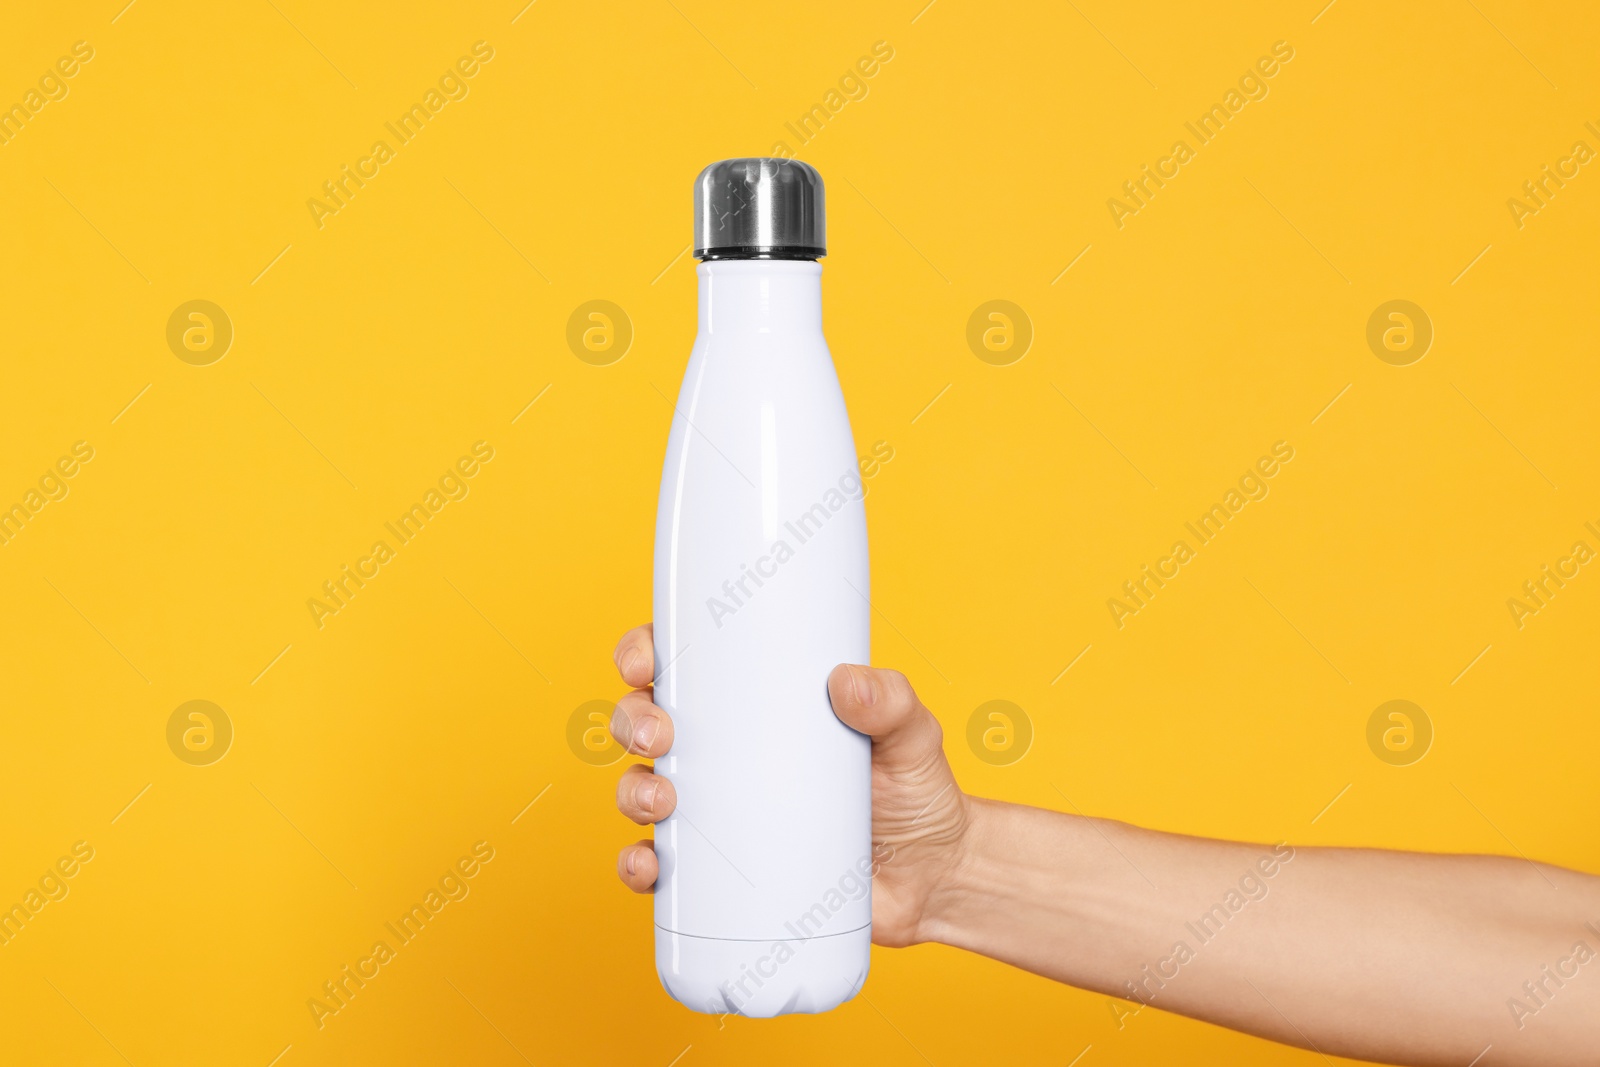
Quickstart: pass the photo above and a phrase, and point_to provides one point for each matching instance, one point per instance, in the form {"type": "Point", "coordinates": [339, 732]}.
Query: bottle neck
{"type": "Point", "coordinates": [760, 296]}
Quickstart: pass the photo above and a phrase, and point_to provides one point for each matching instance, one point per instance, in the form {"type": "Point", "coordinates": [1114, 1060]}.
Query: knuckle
{"type": "Point", "coordinates": [638, 703]}
{"type": "Point", "coordinates": [898, 686]}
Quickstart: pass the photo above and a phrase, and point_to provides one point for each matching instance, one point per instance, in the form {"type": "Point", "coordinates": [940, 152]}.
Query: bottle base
{"type": "Point", "coordinates": [760, 979]}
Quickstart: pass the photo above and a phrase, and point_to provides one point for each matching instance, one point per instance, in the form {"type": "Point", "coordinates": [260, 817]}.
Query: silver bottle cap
{"type": "Point", "coordinates": [758, 209]}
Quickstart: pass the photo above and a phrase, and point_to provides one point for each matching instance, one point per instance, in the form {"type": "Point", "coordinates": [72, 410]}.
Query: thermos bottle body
{"type": "Point", "coordinates": [763, 903]}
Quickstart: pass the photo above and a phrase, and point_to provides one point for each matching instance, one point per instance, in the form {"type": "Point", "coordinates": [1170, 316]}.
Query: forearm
{"type": "Point", "coordinates": [1402, 957]}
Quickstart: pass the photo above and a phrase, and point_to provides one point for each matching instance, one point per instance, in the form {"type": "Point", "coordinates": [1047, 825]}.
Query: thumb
{"type": "Point", "coordinates": [882, 704]}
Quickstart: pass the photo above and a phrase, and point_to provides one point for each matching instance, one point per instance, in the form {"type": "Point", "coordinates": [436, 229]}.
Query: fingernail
{"type": "Point", "coordinates": [644, 794]}
{"type": "Point", "coordinates": [628, 861]}
{"type": "Point", "coordinates": [645, 733]}
{"type": "Point", "coordinates": [866, 687]}
{"type": "Point", "coordinates": [629, 660]}
{"type": "Point", "coordinates": [621, 728]}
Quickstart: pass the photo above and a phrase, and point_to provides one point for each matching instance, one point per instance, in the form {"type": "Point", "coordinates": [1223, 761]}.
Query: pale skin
{"type": "Point", "coordinates": [1396, 957]}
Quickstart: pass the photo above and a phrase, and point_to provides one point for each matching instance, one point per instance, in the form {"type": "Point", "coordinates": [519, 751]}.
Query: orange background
{"type": "Point", "coordinates": [370, 353]}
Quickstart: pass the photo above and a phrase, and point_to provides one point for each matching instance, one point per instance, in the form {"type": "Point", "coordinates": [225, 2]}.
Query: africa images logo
{"type": "Point", "coordinates": [452, 485]}
{"type": "Point", "coordinates": [453, 885]}
{"type": "Point", "coordinates": [337, 192]}
{"type": "Point", "coordinates": [1205, 129]}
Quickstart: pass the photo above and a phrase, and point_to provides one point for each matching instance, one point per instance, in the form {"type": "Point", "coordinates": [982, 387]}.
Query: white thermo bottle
{"type": "Point", "coordinates": [763, 904]}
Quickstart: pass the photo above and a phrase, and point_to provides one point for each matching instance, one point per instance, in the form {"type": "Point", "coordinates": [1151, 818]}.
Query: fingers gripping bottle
{"type": "Point", "coordinates": [763, 904]}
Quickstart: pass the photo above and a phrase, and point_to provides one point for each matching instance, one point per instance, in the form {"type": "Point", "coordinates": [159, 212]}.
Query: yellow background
{"type": "Point", "coordinates": [432, 309]}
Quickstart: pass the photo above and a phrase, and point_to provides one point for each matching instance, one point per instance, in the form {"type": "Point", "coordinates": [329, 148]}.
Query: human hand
{"type": "Point", "coordinates": [920, 817]}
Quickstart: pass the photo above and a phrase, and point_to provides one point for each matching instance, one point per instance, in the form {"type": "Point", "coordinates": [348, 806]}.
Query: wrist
{"type": "Point", "coordinates": [964, 887]}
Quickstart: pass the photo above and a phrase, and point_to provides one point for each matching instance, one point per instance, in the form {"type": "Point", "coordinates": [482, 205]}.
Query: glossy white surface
{"type": "Point", "coordinates": [760, 590]}
{"type": "Point", "coordinates": [760, 979]}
